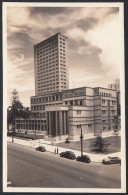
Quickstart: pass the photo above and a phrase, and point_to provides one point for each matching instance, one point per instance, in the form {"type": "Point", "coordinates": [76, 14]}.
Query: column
{"type": "Point", "coordinates": [64, 123]}
{"type": "Point", "coordinates": [40, 124]}
{"type": "Point", "coordinates": [56, 128]}
{"type": "Point", "coordinates": [47, 123]}
{"type": "Point", "coordinates": [78, 102]}
{"type": "Point", "coordinates": [50, 123]}
{"type": "Point", "coordinates": [60, 123]}
{"type": "Point", "coordinates": [67, 123]}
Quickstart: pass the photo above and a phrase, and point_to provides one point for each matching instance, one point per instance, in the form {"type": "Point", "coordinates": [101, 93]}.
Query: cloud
{"type": "Point", "coordinates": [93, 34]}
{"type": "Point", "coordinates": [112, 10]}
{"type": "Point", "coordinates": [87, 23]}
{"type": "Point", "coordinates": [109, 33]}
{"type": "Point", "coordinates": [34, 11]}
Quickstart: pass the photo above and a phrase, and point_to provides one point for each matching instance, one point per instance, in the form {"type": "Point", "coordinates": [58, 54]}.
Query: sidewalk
{"type": "Point", "coordinates": [51, 148]}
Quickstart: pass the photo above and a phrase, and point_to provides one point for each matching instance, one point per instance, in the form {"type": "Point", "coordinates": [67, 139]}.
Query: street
{"type": "Point", "coordinates": [29, 168]}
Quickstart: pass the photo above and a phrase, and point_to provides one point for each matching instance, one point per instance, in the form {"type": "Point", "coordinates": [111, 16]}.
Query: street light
{"type": "Point", "coordinates": [81, 139]}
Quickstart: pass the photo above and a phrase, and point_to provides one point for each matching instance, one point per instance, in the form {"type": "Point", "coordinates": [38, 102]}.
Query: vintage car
{"type": "Point", "coordinates": [68, 154]}
{"type": "Point", "coordinates": [84, 158]}
{"type": "Point", "coordinates": [111, 160]}
{"type": "Point", "coordinates": [41, 149]}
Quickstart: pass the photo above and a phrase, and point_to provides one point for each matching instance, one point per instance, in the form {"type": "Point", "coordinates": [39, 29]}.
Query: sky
{"type": "Point", "coordinates": [94, 45]}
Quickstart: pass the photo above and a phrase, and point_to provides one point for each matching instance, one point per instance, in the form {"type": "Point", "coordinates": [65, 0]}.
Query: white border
{"type": "Point", "coordinates": [122, 78]}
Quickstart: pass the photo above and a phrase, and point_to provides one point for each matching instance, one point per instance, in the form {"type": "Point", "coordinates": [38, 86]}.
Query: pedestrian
{"type": "Point", "coordinates": [55, 150]}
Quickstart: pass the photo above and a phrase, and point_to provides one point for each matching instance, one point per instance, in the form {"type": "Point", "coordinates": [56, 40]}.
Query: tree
{"type": "Point", "coordinates": [99, 145]}
{"type": "Point", "coordinates": [15, 110]}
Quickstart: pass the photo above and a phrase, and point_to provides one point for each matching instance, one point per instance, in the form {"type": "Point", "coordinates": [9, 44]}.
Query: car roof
{"type": "Point", "coordinates": [70, 152]}
{"type": "Point", "coordinates": [112, 157]}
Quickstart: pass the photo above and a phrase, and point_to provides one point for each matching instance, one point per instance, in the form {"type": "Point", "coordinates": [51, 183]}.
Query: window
{"type": "Point", "coordinates": [78, 112]}
{"type": "Point", "coordinates": [103, 101]}
{"type": "Point", "coordinates": [80, 102]}
{"type": "Point", "coordinates": [76, 102]}
{"type": "Point", "coordinates": [104, 128]}
{"type": "Point", "coordinates": [71, 102]}
{"type": "Point", "coordinates": [89, 125]}
{"type": "Point", "coordinates": [113, 111]}
{"type": "Point", "coordinates": [78, 126]}
{"type": "Point", "coordinates": [113, 102]}
{"type": "Point", "coordinates": [103, 111]}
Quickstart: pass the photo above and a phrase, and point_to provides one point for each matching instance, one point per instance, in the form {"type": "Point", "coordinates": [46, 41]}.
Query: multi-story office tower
{"type": "Point", "coordinates": [115, 85]}
{"type": "Point", "coordinates": [51, 65]}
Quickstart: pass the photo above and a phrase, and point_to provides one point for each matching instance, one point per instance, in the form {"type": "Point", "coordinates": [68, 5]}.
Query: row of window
{"type": "Point", "coordinates": [46, 99]}
{"type": "Point", "coordinates": [48, 49]}
{"type": "Point", "coordinates": [68, 95]}
{"type": "Point", "coordinates": [47, 52]}
{"type": "Point", "coordinates": [109, 128]}
{"type": "Point", "coordinates": [47, 92]}
{"type": "Point", "coordinates": [75, 102]}
{"type": "Point", "coordinates": [47, 55]}
{"type": "Point", "coordinates": [39, 107]}
{"type": "Point", "coordinates": [45, 80]}
{"type": "Point", "coordinates": [103, 101]}
{"type": "Point", "coordinates": [105, 94]}
{"type": "Point", "coordinates": [80, 126]}
{"type": "Point", "coordinates": [48, 42]}
{"type": "Point", "coordinates": [50, 62]}
{"type": "Point", "coordinates": [40, 127]}
{"type": "Point", "coordinates": [46, 62]}
{"type": "Point", "coordinates": [50, 69]}
{"type": "Point", "coordinates": [105, 111]}
{"type": "Point", "coordinates": [30, 121]}
{"type": "Point", "coordinates": [104, 128]}
{"type": "Point", "coordinates": [45, 85]}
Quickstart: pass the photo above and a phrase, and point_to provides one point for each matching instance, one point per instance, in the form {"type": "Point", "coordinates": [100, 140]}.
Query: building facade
{"type": "Point", "coordinates": [51, 65]}
{"type": "Point", "coordinates": [115, 85]}
{"type": "Point", "coordinates": [63, 112]}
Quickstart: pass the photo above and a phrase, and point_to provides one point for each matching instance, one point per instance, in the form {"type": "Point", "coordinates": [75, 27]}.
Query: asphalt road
{"type": "Point", "coordinates": [30, 168]}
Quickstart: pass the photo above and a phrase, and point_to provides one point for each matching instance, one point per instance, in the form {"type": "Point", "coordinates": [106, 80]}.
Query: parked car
{"type": "Point", "coordinates": [84, 158]}
{"type": "Point", "coordinates": [111, 160]}
{"type": "Point", "coordinates": [41, 149]}
{"type": "Point", "coordinates": [68, 154]}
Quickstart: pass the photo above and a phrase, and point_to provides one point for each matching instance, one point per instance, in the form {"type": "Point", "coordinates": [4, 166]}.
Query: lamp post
{"type": "Point", "coordinates": [81, 139]}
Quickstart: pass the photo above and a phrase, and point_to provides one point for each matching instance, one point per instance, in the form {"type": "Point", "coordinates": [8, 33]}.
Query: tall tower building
{"type": "Point", "coordinates": [51, 65]}
{"type": "Point", "coordinates": [115, 85]}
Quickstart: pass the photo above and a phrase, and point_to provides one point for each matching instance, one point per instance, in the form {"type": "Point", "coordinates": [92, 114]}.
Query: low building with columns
{"type": "Point", "coordinates": [63, 114]}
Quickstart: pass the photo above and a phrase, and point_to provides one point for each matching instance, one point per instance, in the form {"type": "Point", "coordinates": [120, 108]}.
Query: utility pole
{"type": "Point", "coordinates": [81, 139]}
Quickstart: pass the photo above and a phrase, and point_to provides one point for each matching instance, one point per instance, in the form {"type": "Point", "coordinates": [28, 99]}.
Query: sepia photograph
{"type": "Point", "coordinates": [63, 97]}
